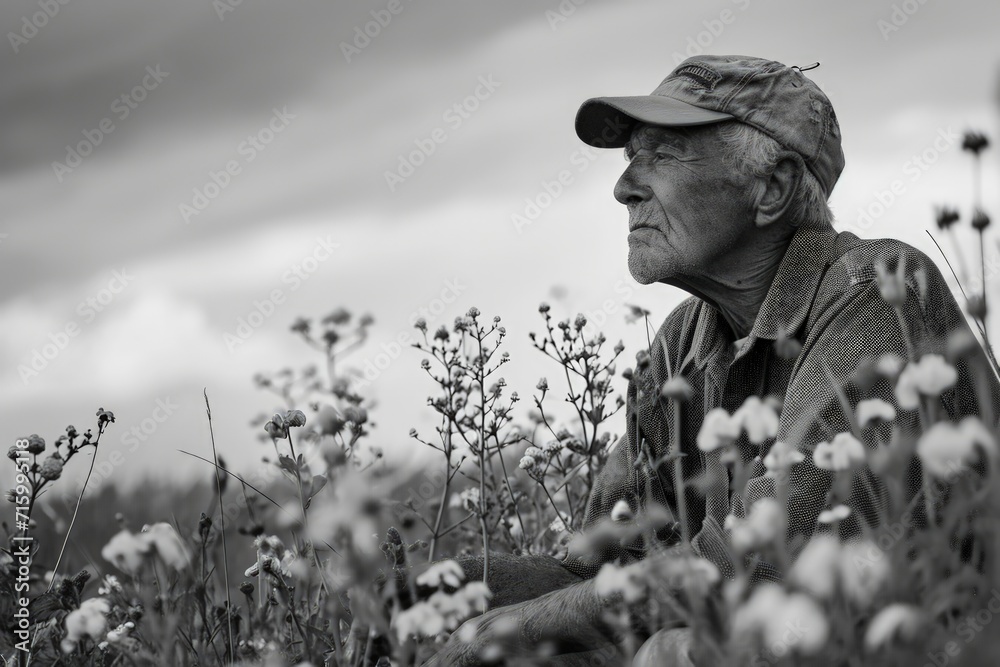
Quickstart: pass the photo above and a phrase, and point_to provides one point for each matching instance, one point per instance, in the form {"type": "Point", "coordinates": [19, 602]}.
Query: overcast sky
{"type": "Point", "coordinates": [117, 113]}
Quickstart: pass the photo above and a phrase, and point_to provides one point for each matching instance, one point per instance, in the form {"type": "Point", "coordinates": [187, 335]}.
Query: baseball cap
{"type": "Point", "coordinates": [778, 100]}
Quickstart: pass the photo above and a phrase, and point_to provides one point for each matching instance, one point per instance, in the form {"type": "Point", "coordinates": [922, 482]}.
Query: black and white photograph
{"type": "Point", "coordinates": [455, 333]}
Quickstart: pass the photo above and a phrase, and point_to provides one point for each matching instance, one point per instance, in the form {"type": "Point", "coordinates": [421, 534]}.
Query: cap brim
{"type": "Point", "coordinates": [607, 122]}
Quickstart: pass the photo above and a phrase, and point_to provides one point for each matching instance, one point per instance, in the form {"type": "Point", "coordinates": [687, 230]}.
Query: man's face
{"type": "Point", "coordinates": [687, 208]}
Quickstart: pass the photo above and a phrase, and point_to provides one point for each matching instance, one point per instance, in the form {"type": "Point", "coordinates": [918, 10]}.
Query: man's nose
{"type": "Point", "coordinates": [629, 190]}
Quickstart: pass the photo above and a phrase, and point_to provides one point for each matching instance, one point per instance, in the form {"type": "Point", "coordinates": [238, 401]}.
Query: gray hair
{"type": "Point", "coordinates": [754, 153]}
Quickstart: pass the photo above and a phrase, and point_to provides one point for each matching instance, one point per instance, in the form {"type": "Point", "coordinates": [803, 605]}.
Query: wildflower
{"type": "Point", "coordinates": [976, 306]}
{"type": "Point", "coordinates": [836, 513]}
{"type": "Point", "coordinates": [337, 317]}
{"type": "Point", "coordinates": [543, 307]}
{"type": "Point", "coordinates": [619, 348]}
{"type": "Point", "coordinates": [897, 621]}
{"type": "Point", "coordinates": [167, 545]}
{"type": "Point", "coordinates": [864, 568]}
{"type": "Point", "coordinates": [842, 453]}
{"type": "Point", "coordinates": [421, 324]}
{"type": "Point", "coordinates": [329, 421]}
{"type": "Point", "coordinates": [295, 418]}
{"type": "Point", "coordinates": [621, 512]}
{"type": "Point", "coordinates": [892, 284]}
{"type": "Point", "coordinates": [552, 446]}
{"type": "Point", "coordinates": [442, 334]}
{"type": "Point", "coordinates": [356, 414]}
{"type": "Point", "coordinates": [627, 581]}
{"type": "Point", "coordinates": [580, 322]}
{"type": "Point", "coordinates": [798, 611]}
{"type": "Point", "coordinates": [946, 448]}
{"type": "Point", "coordinates": [781, 458]}
{"type": "Point", "coordinates": [635, 313]}
{"type": "Point", "coordinates": [946, 217]}
{"type": "Point", "coordinates": [121, 632]}
{"type": "Point", "coordinates": [535, 453]}
{"type": "Point", "coordinates": [761, 528]}
{"type": "Point", "coordinates": [51, 468]}
{"type": "Point", "coordinates": [543, 385]}
{"type": "Point", "coordinates": [974, 142]}
{"type": "Point", "coordinates": [442, 573]}
{"type": "Point", "coordinates": [889, 365]}
{"type": "Point", "coordinates": [873, 410]}
{"type": "Point", "coordinates": [930, 376]}
{"type": "Point", "coordinates": [126, 551]}
{"type": "Point", "coordinates": [980, 220]}
{"type": "Point", "coordinates": [526, 463]}
{"type": "Point", "coordinates": [110, 584]}
{"type": "Point", "coordinates": [442, 611]}
{"type": "Point", "coordinates": [677, 388]}
{"type": "Point", "coordinates": [301, 326]}
{"type": "Point", "coordinates": [557, 526]}
{"type": "Point", "coordinates": [718, 429]}
{"type": "Point", "coordinates": [105, 416]}
{"type": "Point", "coordinates": [36, 444]}
{"type": "Point", "coordinates": [817, 566]}
{"type": "Point", "coordinates": [469, 498]}
{"type": "Point", "coordinates": [473, 312]}
{"type": "Point", "coordinates": [771, 612]}
{"type": "Point", "coordinates": [758, 419]}
{"type": "Point", "coordinates": [87, 621]}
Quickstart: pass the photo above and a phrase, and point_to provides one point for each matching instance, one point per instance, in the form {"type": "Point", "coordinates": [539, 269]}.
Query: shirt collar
{"type": "Point", "coordinates": [788, 300]}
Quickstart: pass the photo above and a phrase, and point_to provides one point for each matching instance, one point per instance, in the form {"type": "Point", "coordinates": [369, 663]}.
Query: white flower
{"type": "Point", "coordinates": [772, 612]}
{"type": "Point", "coordinates": [445, 572]}
{"type": "Point", "coordinates": [843, 453]}
{"type": "Point", "coordinates": [798, 611]}
{"type": "Point", "coordinates": [89, 620]}
{"type": "Point", "coordinates": [627, 580]}
{"type": "Point", "coordinates": [121, 632]}
{"type": "Point", "coordinates": [903, 621]}
{"type": "Point", "coordinates": [762, 527]}
{"type": "Point", "coordinates": [422, 620]}
{"type": "Point", "coordinates": [930, 376]}
{"type": "Point", "coordinates": [469, 499]}
{"type": "Point", "coordinates": [110, 584]}
{"type": "Point", "coordinates": [817, 566]}
{"type": "Point", "coordinates": [837, 513]}
{"type": "Point", "coordinates": [621, 512]}
{"type": "Point", "coordinates": [527, 463]}
{"type": "Point", "coordinates": [557, 526]}
{"type": "Point", "coordinates": [758, 419]}
{"type": "Point", "coordinates": [889, 365]}
{"type": "Point", "coordinates": [442, 611]}
{"type": "Point", "coordinates": [126, 551]}
{"type": "Point", "coordinates": [534, 452]}
{"type": "Point", "coordinates": [167, 545]}
{"type": "Point", "coordinates": [946, 449]}
{"type": "Point", "coordinates": [864, 568]}
{"type": "Point", "coordinates": [874, 409]}
{"type": "Point", "coordinates": [781, 458]}
{"type": "Point", "coordinates": [552, 446]}
{"type": "Point", "coordinates": [718, 429]}
{"type": "Point", "coordinates": [763, 603]}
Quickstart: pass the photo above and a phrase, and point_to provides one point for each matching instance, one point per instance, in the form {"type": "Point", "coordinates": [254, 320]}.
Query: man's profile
{"type": "Point", "coordinates": [731, 162]}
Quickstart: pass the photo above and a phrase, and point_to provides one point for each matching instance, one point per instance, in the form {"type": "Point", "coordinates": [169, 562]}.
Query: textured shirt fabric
{"type": "Point", "coordinates": [824, 296]}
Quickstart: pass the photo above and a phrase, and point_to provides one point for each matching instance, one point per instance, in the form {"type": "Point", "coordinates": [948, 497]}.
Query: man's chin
{"type": "Point", "coordinates": [642, 272]}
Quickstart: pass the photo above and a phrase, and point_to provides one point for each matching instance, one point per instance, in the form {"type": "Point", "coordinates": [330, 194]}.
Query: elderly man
{"type": "Point", "coordinates": [731, 161]}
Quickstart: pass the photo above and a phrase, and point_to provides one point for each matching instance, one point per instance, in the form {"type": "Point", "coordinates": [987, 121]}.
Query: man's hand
{"type": "Point", "coordinates": [564, 622]}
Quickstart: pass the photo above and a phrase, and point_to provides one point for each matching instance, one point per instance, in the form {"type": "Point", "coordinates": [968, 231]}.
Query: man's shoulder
{"type": "Point", "coordinates": [854, 261]}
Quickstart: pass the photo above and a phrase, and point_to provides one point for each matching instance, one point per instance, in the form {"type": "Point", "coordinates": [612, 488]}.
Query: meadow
{"type": "Point", "coordinates": [335, 555]}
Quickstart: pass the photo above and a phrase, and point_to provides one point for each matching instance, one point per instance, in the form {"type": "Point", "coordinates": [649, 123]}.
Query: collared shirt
{"type": "Point", "coordinates": [823, 316]}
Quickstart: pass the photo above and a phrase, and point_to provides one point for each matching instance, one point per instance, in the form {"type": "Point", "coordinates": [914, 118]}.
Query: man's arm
{"type": "Point", "coordinates": [569, 618]}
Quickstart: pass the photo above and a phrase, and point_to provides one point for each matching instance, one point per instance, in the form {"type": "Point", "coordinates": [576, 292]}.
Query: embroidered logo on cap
{"type": "Point", "coordinates": [699, 74]}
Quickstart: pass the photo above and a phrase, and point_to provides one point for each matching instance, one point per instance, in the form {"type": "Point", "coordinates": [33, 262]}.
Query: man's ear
{"type": "Point", "coordinates": [779, 189]}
